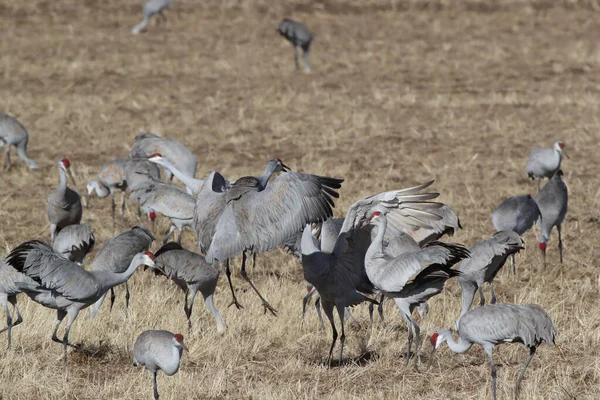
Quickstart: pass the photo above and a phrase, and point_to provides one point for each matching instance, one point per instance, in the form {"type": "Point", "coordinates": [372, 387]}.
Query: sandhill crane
{"type": "Point", "coordinates": [552, 201]}
{"type": "Point", "coordinates": [158, 351]}
{"type": "Point", "coordinates": [192, 185]}
{"type": "Point", "coordinates": [448, 225]}
{"type": "Point", "coordinates": [410, 279]}
{"type": "Point", "coordinates": [300, 37]}
{"type": "Point", "coordinates": [13, 133]}
{"type": "Point", "coordinates": [151, 8]}
{"type": "Point", "coordinates": [340, 276]}
{"type": "Point", "coordinates": [518, 214]}
{"type": "Point", "coordinates": [543, 163]}
{"type": "Point", "coordinates": [64, 285]}
{"type": "Point", "coordinates": [487, 258]}
{"type": "Point", "coordinates": [191, 273]}
{"type": "Point", "coordinates": [495, 324]}
{"type": "Point", "coordinates": [182, 158]}
{"type": "Point", "coordinates": [64, 204]}
{"type": "Point", "coordinates": [116, 255]}
{"type": "Point", "coordinates": [12, 283]}
{"type": "Point", "coordinates": [74, 242]}
{"type": "Point", "coordinates": [259, 217]}
{"type": "Point", "coordinates": [170, 201]}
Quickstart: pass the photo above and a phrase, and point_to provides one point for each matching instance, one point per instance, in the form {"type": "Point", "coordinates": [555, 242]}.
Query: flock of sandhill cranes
{"type": "Point", "coordinates": [388, 246]}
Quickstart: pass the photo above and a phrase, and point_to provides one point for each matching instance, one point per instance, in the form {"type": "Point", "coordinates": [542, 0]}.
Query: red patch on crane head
{"type": "Point", "coordinates": [561, 145]}
{"type": "Point", "coordinates": [65, 162]}
{"type": "Point", "coordinates": [178, 337]}
{"type": "Point", "coordinates": [279, 160]}
{"type": "Point", "coordinates": [542, 246]}
{"type": "Point", "coordinates": [155, 155]}
{"type": "Point", "coordinates": [376, 214]}
{"type": "Point", "coordinates": [150, 255]}
{"type": "Point", "coordinates": [309, 288]}
{"type": "Point", "coordinates": [434, 339]}
{"type": "Point", "coordinates": [152, 215]}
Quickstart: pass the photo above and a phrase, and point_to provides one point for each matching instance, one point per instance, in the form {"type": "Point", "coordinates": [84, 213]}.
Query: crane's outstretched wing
{"type": "Point", "coordinates": [266, 218]}
{"type": "Point", "coordinates": [53, 272]}
{"type": "Point", "coordinates": [210, 203]}
{"type": "Point", "coordinates": [447, 225]}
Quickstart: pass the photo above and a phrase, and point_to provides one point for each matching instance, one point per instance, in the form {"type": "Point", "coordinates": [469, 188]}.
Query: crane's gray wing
{"type": "Point", "coordinates": [448, 224]}
{"type": "Point", "coordinates": [497, 323]}
{"type": "Point", "coordinates": [210, 203]}
{"type": "Point", "coordinates": [265, 218]}
{"type": "Point", "coordinates": [227, 240]}
{"type": "Point", "coordinates": [117, 253]}
{"type": "Point", "coordinates": [51, 271]}
{"type": "Point", "coordinates": [74, 242]}
{"type": "Point", "coordinates": [167, 199]}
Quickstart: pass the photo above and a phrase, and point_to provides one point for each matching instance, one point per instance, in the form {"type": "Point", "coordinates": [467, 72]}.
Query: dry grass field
{"type": "Point", "coordinates": [401, 92]}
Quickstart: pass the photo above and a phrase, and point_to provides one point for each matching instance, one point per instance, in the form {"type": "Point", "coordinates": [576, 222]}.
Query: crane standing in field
{"type": "Point", "coordinates": [258, 217]}
{"type": "Point", "coordinates": [543, 163]}
{"type": "Point", "coordinates": [340, 276]}
{"type": "Point", "coordinates": [517, 214]}
{"type": "Point", "coordinates": [495, 324]}
{"type": "Point", "coordinates": [488, 256]}
{"type": "Point", "coordinates": [410, 279]}
{"type": "Point", "coordinates": [64, 285]}
{"type": "Point", "coordinates": [74, 242]}
{"type": "Point", "coordinates": [12, 283]}
{"type": "Point", "coordinates": [146, 144]}
{"type": "Point", "coordinates": [552, 201]}
{"type": "Point", "coordinates": [158, 351]}
{"type": "Point", "coordinates": [192, 274]}
{"type": "Point", "coordinates": [151, 8]}
{"type": "Point", "coordinates": [64, 204]}
{"type": "Point", "coordinates": [116, 255]}
{"type": "Point", "coordinates": [300, 37]}
{"type": "Point", "coordinates": [13, 133]}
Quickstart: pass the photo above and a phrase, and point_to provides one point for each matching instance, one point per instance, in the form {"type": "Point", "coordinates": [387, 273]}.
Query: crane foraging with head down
{"type": "Point", "coordinates": [64, 204]}
{"type": "Point", "coordinates": [553, 202]}
{"type": "Point", "coordinates": [13, 133]}
{"type": "Point", "coordinates": [300, 37]}
{"type": "Point", "coordinates": [158, 351]}
{"type": "Point", "coordinates": [64, 285]}
{"type": "Point", "coordinates": [151, 7]}
{"type": "Point", "coordinates": [495, 324]}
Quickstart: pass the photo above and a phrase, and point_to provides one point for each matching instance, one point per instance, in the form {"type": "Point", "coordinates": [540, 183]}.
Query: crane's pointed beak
{"type": "Point", "coordinates": [285, 168]}
{"type": "Point", "coordinates": [431, 355]}
{"type": "Point", "coordinates": [71, 176]}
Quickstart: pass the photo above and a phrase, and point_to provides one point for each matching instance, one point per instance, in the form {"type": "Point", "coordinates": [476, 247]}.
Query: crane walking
{"type": "Point", "coordinates": [543, 163]}
{"type": "Point", "coordinates": [151, 8]}
{"type": "Point", "coordinates": [495, 324]}
{"type": "Point", "coordinates": [300, 37]}
{"type": "Point", "coordinates": [553, 201]}
{"type": "Point", "coordinates": [64, 285]}
{"type": "Point", "coordinates": [192, 274]}
{"type": "Point", "coordinates": [13, 133]}
{"type": "Point", "coordinates": [64, 204]}
{"type": "Point", "coordinates": [158, 351]}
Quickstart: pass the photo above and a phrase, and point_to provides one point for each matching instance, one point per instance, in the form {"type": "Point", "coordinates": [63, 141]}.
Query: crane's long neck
{"type": "Point", "coordinates": [308, 241]}
{"type": "Point", "coordinates": [109, 279]}
{"type": "Point", "coordinates": [375, 250]}
{"type": "Point", "coordinates": [101, 190]}
{"type": "Point", "coordinates": [192, 184]}
{"type": "Point", "coordinates": [62, 184]}
{"type": "Point", "coordinates": [460, 346]}
{"type": "Point", "coordinates": [269, 171]}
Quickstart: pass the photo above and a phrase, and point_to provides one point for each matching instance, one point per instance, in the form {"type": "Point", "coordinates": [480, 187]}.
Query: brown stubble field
{"type": "Point", "coordinates": [401, 92]}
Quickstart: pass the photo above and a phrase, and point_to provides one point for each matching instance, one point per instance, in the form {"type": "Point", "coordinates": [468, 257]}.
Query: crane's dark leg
{"type": "Point", "coordinates": [522, 374]}
{"type": "Point", "coordinates": [123, 205]}
{"type": "Point", "coordinates": [228, 273]}
{"type": "Point", "coordinates": [492, 293]}
{"type": "Point", "coordinates": [296, 57]}
{"type": "Point", "coordinates": [341, 313]}
{"type": "Point", "coordinates": [328, 309]}
{"type": "Point", "coordinates": [60, 315]}
{"type": "Point", "coordinates": [481, 297]}
{"type": "Point", "coordinates": [188, 307]}
{"type": "Point", "coordinates": [8, 321]}
{"type": "Point", "coordinates": [7, 164]}
{"type": "Point", "coordinates": [168, 235]}
{"type": "Point", "coordinates": [318, 308]}
{"type": "Point", "coordinates": [266, 305]}
{"type": "Point", "coordinates": [305, 300]}
{"type": "Point", "coordinates": [305, 59]}
{"type": "Point", "coordinates": [380, 309]}
{"type": "Point", "coordinates": [417, 341]}
{"type": "Point", "coordinates": [113, 205]}
{"type": "Point", "coordinates": [154, 385]}
{"type": "Point", "coordinates": [514, 264]}
{"type": "Point", "coordinates": [560, 245]}
{"type": "Point", "coordinates": [489, 351]}
{"type": "Point", "coordinates": [13, 301]}
{"type": "Point", "coordinates": [112, 298]}
{"type": "Point", "coordinates": [127, 297]}
{"type": "Point", "coordinates": [410, 337]}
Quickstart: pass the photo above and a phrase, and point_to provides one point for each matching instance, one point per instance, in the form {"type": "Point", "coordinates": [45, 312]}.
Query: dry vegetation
{"type": "Point", "coordinates": [402, 92]}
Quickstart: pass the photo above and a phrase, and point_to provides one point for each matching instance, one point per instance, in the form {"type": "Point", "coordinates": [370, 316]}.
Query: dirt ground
{"type": "Point", "coordinates": [401, 92]}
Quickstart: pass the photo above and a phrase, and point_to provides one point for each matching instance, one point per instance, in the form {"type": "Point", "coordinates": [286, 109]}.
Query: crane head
{"type": "Point", "coordinates": [281, 166]}
{"type": "Point", "coordinates": [152, 215]}
{"type": "Point", "coordinates": [65, 162]}
{"type": "Point", "coordinates": [542, 246]}
{"type": "Point", "coordinates": [434, 339]}
{"type": "Point", "coordinates": [150, 255]}
{"type": "Point", "coordinates": [178, 337]}
{"type": "Point", "coordinates": [155, 155]}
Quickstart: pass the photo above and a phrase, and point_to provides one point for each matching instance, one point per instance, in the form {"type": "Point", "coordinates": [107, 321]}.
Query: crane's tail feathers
{"type": "Point", "coordinates": [18, 257]}
{"type": "Point", "coordinates": [458, 252]}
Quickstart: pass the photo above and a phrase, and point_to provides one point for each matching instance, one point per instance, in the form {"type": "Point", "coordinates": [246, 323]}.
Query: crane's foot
{"type": "Point", "coordinates": [267, 307]}
{"type": "Point", "coordinates": [235, 303]}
